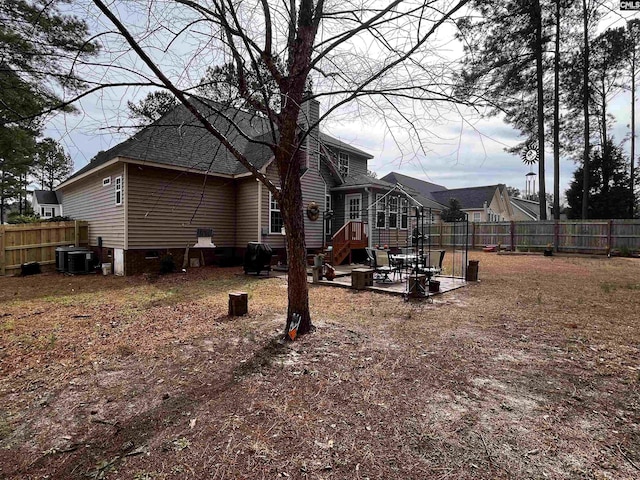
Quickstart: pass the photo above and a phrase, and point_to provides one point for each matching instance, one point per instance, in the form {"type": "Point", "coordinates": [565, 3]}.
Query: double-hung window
{"type": "Point", "coordinates": [343, 164]}
{"type": "Point", "coordinates": [381, 207]}
{"type": "Point", "coordinates": [275, 217]}
{"type": "Point", "coordinates": [393, 212]}
{"type": "Point", "coordinates": [404, 213]}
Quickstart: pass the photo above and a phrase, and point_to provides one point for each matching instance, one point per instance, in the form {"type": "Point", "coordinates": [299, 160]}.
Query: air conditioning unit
{"type": "Point", "coordinates": [80, 262]}
{"type": "Point", "coordinates": [62, 259]}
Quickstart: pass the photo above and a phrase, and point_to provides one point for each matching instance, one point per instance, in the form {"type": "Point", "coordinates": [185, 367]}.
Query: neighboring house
{"type": "Point", "coordinates": [153, 193]}
{"type": "Point", "coordinates": [482, 204]}
{"type": "Point", "coordinates": [525, 210]}
{"type": "Point", "coordinates": [46, 204]}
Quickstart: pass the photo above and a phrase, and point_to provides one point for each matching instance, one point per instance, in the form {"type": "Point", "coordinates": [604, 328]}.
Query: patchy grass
{"type": "Point", "coordinates": [531, 373]}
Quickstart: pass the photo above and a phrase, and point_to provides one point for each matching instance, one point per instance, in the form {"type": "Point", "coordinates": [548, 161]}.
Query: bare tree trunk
{"type": "Point", "coordinates": [539, 80]}
{"type": "Point", "coordinates": [633, 131]}
{"type": "Point", "coordinates": [585, 107]}
{"type": "Point", "coordinates": [556, 119]}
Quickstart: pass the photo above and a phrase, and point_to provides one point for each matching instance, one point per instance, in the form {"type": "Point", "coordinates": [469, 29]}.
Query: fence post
{"type": "Point", "coordinates": [3, 256]}
{"type": "Point", "coordinates": [473, 235]}
{"type": "Point", "coordinates": [512, 234]}
{"type": "Point", "coordinates": [76, 234]}
{"type": "Point", "coordinates": [610, 235]}
{"type": "Point", "coordinates": [556, 234]}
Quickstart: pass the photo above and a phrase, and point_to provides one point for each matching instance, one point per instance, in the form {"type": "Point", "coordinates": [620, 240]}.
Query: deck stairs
{"type": "Point", "coordinates": [352, 236]}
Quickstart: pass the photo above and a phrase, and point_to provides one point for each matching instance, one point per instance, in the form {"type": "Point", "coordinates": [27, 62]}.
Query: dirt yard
{"type": "Point", "coordinates": [534, 372]}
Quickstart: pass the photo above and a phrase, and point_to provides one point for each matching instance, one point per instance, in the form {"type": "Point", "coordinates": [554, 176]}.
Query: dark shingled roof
{"type": "Point", "coordinates": [179, 139]}
{"type": "Point", "coordinates": [46, 197]}
{"type": "Point", "coordinates": [329, 141]}
{"type": "Point", "coordinates": [362, 180]}
{"type": "Point", "coordinates": [420, 186]}
{"type": "Point", "coordinates": [473, 197]}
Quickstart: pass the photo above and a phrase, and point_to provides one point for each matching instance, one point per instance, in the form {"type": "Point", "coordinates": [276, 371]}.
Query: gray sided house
{"type": "Point", "coordinates": [155, 192]}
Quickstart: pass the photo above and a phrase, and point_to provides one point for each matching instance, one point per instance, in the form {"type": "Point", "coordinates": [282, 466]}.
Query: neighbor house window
{"type": "Point", "coordinates": [404, 213]}
{"type": "Point", "coordinates": [275, 217]}
{"type": "Point", "coordinates": [476, 216]}
{"type": "Point", "coordinates": [343, 164]}
{"type": "Point", "coordinates": [47, 212]}
{"type": "Point", "coordinates": [381, 206]}
{"type": "Point", "coordinates": [393, 212]}
{"type": "Point", "coordinates": [106, 181]}
{"type": "Point", "coordinates": [118, 190]}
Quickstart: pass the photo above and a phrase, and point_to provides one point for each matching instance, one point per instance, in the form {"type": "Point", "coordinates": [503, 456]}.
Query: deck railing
{"type": "Point", "coordinates": [353, 234]}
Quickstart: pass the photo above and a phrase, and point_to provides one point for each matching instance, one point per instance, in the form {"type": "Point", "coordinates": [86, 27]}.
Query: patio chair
{"type": "Point", "coordinates": [382, 271]}
{"type": "Point", "coordinates": [427, 264]}
{"type": "Point", "coordinates": [396, 265]}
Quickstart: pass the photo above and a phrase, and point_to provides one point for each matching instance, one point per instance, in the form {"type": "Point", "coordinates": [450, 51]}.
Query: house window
{"type": "Point", "coordinates": [106, 181]}
{"type": "Point", "coordinates": [343, 164]}
{"type": "Point", "coordinates": [393, 212]}
{"type": "Point", "coordinates": [47, 212]}
{"type": "Point", "coordinates": [476, 216]}
{"type": "Point", "coordinates": [275, 217]}
{"type": "Point", "coordinates": [381, 206]}
{"type": "Point", "coordinates": [118, 190]}
{"type": "Point", "coordinates": [404, 213]}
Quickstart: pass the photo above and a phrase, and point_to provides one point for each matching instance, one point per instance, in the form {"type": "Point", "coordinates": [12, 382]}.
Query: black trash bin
{"type": "Point", "coordinates": [472, 271]}
{"type": "Point", "coordinates": [257, 258]}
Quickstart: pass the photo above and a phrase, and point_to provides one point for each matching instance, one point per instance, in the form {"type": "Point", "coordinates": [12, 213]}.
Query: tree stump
{"type": "Point", "coordinates": [238, 304]}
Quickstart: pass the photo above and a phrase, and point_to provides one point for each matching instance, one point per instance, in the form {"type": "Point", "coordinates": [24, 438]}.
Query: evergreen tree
{"type": "Point", "coordinates": [608, 186]}
{"type": "Point", "coordinates": [39, 47]}
{"type": "Point", "coordinates": [506, 65]}
{"type": "Point", "coordinates": [152, 107]}
{"type": "Point", "coordinates": [453, 213]}
{"type": "Point", "coordinates": [52, 164]}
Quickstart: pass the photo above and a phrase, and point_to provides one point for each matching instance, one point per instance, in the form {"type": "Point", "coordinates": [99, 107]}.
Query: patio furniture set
{"type": "Point", "coordinates": [405, 262]}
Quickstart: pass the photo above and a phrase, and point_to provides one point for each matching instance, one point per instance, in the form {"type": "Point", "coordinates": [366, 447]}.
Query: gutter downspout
{"type": "Point", "coordinates": [259, 202]}
{"type": "Point", "coordinates": [369, 223]}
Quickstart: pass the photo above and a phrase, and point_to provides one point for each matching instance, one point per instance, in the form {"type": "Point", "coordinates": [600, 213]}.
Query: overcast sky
{"type": "Point", "coordinates": [461, 149]}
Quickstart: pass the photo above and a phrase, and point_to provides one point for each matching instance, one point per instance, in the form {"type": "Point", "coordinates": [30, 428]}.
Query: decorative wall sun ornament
{"type": "Point", "coordinates": [530, 154]}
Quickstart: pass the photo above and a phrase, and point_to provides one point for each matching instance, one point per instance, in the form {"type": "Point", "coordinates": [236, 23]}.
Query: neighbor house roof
{"type": "Point", "coordinates": [469, 198]}
{"type": "Point", "coordinates": [420, 186]}
{"type": "Point", "coordinates": [46, 197]}
{"type": "Point", "coordinates": [528, 207]}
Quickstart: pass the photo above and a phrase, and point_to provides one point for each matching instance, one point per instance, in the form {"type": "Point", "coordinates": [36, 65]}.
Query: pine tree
{"type": "Point", "coordinates": [609, 195]}
{"type": "Point", "coordinates": [52, 164]}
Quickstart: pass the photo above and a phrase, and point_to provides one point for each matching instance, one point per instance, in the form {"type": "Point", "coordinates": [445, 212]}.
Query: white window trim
{"type": "Point", "coordinates": [118, 189]}
{"type": "Point", "coordinates": [343, 157]}
{"type": "Point", "coordinates": [271, 201]}
{"type": "Point", "coordinates": [106, 181]}
{"type": "Point", "coordinates": [404, 212]}
{"type": "Point", "coordinates": [381, 206]}
{"type": "Point", "coordinates": [392, 211]}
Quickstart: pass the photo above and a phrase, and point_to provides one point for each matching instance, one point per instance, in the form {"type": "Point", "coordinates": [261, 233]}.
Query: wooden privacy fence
{"type": "Point", "coordinates": [572, 236]}
{"type": "Point", "coordinates": [37, 242]}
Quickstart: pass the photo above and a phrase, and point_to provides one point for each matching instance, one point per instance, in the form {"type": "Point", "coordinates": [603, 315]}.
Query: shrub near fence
{"type": "Point", "coordinates": [571, 236]}
{"type": "Point", "coordinates": [37, 242]}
